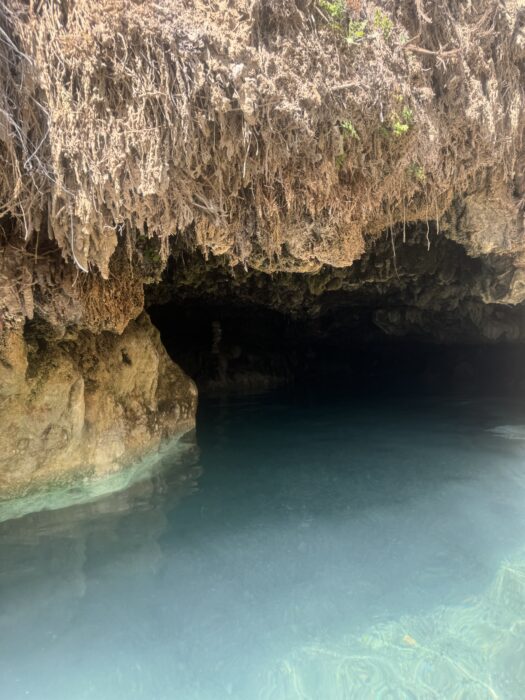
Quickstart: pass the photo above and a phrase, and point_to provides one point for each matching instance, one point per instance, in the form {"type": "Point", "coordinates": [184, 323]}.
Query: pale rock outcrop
{"type": "Point", "coordinates": [87, 405]}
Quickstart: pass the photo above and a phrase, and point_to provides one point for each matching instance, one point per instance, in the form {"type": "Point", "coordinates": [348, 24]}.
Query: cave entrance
{"type": "Point", "coordinates": [250, 348]}
{"type": "Point", "coordinates": [419, 323]}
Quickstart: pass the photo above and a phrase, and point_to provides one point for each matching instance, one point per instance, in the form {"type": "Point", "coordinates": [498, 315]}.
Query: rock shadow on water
{"type": "Point", "coordinates": [57, 546]}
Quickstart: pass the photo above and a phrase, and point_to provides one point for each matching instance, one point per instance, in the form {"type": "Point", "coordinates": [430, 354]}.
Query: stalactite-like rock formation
{"type": "Point", "coordinates": [301, 143]}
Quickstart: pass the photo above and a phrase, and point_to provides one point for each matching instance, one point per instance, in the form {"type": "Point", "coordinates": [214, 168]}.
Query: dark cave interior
{"type": "Point", "coordinates": [417, 324]}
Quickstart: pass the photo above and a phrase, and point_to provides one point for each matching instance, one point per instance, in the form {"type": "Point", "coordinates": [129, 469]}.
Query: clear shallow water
{"type": "Point", "coordinates": [319, 549]}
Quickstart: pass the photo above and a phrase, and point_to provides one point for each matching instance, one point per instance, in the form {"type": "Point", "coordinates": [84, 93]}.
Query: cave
{"type": "Point", "coordinates": [410, 317]}
{"type": "Point", "coordinates": [262, 329]}
{"type": "Point", "coordinates": [349, 506]}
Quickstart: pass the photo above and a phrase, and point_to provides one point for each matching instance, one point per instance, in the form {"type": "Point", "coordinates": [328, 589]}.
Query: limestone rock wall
{"type": "Point", "coordinates": [277, 132]}
{"type": "Point", "coordinates": [86, 405]}
{"type": "Point", "coordinates": [281, 136]}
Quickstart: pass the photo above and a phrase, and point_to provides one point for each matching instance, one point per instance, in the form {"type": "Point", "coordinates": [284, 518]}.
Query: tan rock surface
{"type": "Point", "coordinates": [282, 135]}
{"type": "Point", "coordinates": [87, 406]}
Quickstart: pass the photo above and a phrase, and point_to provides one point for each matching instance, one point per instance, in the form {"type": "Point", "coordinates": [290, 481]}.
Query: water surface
{"type": "Point", "coordinates": [314, 548]}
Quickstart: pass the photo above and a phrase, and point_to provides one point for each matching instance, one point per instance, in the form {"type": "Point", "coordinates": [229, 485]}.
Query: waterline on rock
{"type": "Point", "coordinates": [86, 489]}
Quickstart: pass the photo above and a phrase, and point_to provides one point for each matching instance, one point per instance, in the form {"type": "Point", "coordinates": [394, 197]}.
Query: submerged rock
{"type": "Point", "coordinates": [510, 432]}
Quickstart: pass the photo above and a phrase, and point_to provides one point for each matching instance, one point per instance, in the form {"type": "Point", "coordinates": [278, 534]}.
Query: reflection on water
{"type": "Point", "coordinates": [315, 550]}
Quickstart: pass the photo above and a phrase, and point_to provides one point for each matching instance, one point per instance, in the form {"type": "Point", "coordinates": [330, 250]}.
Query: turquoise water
{"type": "Point", "coordinates": [312, 548]}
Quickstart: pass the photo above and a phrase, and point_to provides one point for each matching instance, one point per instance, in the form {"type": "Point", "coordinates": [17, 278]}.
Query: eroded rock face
{"type": "Point", "coordinates": [276, 132]}
{"type": "Point", "coordinates": [267, 137]}
{"type": "Point", "coordinates": [419, 284]}
{"type": "Point", "coordinates": [86, 405]}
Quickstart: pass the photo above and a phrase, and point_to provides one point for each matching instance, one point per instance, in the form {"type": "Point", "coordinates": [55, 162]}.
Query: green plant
{"type": "Point", "coordinates": [336, 9]}
{"type": "Point", "coordinates": [356, 31]}
{"type": "Point", "coordinates": [417, 172]}
{"type": "Point", "coordinates": [383, 23]}
{"type": "Point", "coordinates": [408, 115]}
{"type": "Point", "coordinates": [401, 123]}
{"type": "Point", "coordinates": [340, 160]}
{"type": "Point", "coordinates": [399, 128]}
{"type": "Point", "coordinates": [349, 129]}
